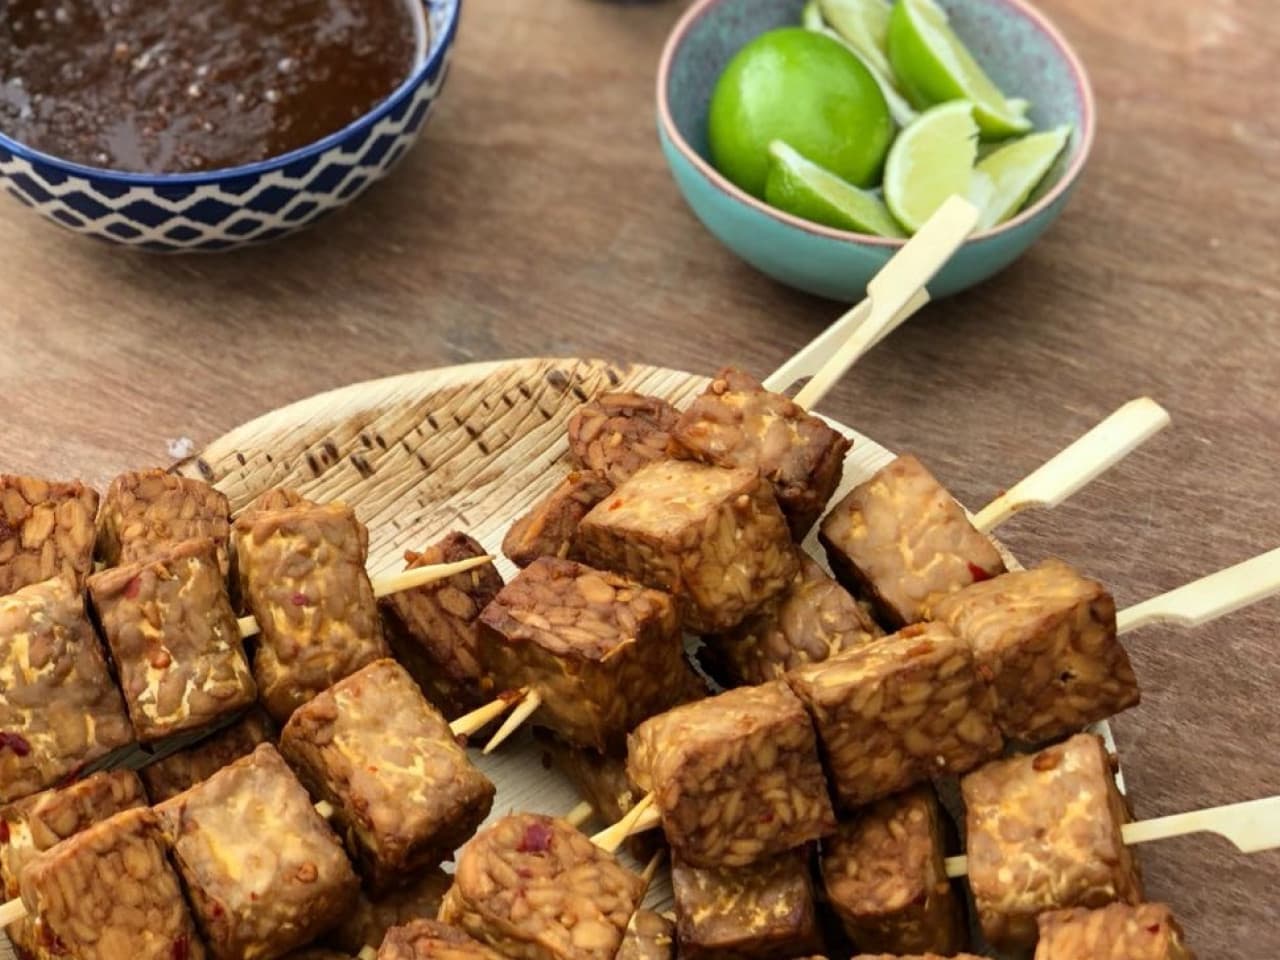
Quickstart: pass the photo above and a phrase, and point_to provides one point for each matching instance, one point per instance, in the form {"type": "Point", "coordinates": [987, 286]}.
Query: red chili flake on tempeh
{"type": "Point", "coordinates": [16, 743]}
{"type": "Point", "coordinates": [1153, 928]}
{"type": "Point", "coordinates": [132, 587]}
{"type": "Point", "coordinates": [766, 817]}
{"type": "Point", "coordinates": [536, 839]}
{"type": "Point", "coordinates": [300, 600]}
{"type": "Point", "coordinates": [978, 573]}
{"type": "Point", "coordinates": [616, 505]}
{"type": "Point", "coordinates": [181, 947]}
{"type": "Point", "coordinates": [4, 831]}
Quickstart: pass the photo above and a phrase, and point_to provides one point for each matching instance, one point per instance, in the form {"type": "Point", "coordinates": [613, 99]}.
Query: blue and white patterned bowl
{"type": "Point", "coordinates": [1012, 40]}
{"type": "Point", "coordinates": [222, 209]}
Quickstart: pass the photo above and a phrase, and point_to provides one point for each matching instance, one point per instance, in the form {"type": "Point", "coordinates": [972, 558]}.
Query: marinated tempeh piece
{"type": "Point", "coordinates": [885, 877]}
{"type": "Point", "coordinates": [183, 770]}
{"type": "Point", "coordinates": [901, 541]}
{"type": "Point", "coordinates": [1044, 834]}
{"type": "Point", "coordinates": [738, 423]}
{"type": "Point", "coordinates": [108, 893]}
{"type": "Point", "coordinates": [917, 956]}
{"type": "Point", "coordinates": [303, 574]}
{"type": "Point", "coordinates": [59, 709]}
{"type": "Point", "coordinates": [550, 528]}
{"type": "Point", "coordinates": [601, 779]}
{"type": "Point", "coordinates": [38, 823]}
{"type": "Point", "coordinates": [264, 872]}
{"type": "Point", "coordinates": [736, 777]}
{"type": "Point", "coordinates": [1118, 931]}
{"type": "Point", "coordinates": [403, 791]}
{"type": "Point", "coordinates": [46, 531]}
{"type": "Point", "coordinates": [714, 538]}
{"type": "Point", "coordinates": [434, 629]}
{"type": "Point", "coordinates": [813, 619]}
{"type": "Point", "coordinates": [425, 939]}
{"type": "Point", "coordinates": [764, 911]}
{"type": "Point", "coordinates": [649, 936]}
{"type": "Point", "coordinates": [1047, 637]}
{"type": "Point", "coordinates": [174, 640]}
{"type": "Point", "coordinates": [147, 509]}
{"type": "Point", "coordinates": [534, 888]}
{"type": "Point", "coordinates": [605, 653]}
{"type": "Point", "coordinates": [618, 433]}
{"type": "Point", "coordinates": [898, 711]}
{"type": "Point", "coordinates": [372, 916]}
{"type": "Point", "coordinates": [276, 498]}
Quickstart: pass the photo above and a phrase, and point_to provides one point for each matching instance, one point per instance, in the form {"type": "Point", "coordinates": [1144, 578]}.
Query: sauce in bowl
{"type": "Point", "coordinates": [178, 86]}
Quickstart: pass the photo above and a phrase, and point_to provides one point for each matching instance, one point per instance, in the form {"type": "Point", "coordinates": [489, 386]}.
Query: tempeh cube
{"type": "Point", "coordinates": [109, 893]}
{"type": "Point", "coordinates": [712, 537]}
{"type": "Point", "coordinates": [813, 619]}
{"type": "Point", "coordinates": [304, 579]}
{"type": "Point", "coordinates": [649, 936]}
{"type": "Point", "coordinates": [898, 711]}
{"type": "Point", "coordinates": [605, 653]}
{"type": "Point", "coordinates": [276, 498]}
{"type": "Point", "coordinates": [374, 915]}
{"type": "Point", "coordinates": [59, 709]}
{"type": "Point", "coordinates": [534, 888]}
{"type": "Point", "coordinates": [403, 791]}
{"type": "Point", "coordinates": [764, 911]}
{"type": "Point", "coordinates": [885, 877]}
{"type": "Point", "coordinates": [738, 423]}
{"type": "Point", "coordinates": [46, 530]}
{"type": "Point", "coordinates": [601, 780]}
{"type": "Point", "coordinates": [39, 822]}
{"type": "Point", "coordinates": [264, 872]}
{"type": "Point", "coordinates": [1044, 833]}
{"type": "Point", "coordinates": [1047, 637]}
{"type": "Point", "coordinates": [550, 528]}
{"type": "Point", "coordinates": [618, 433]}
{"type": "Point", "coordinates": [430, 939]}
{"type": "Point", "coordinates": [736, 777]}
{"type": "Point", "coordinates": [917, 956]}
{"type": "Point", "coordinates": [1118, 931]}
{"type": "Point", "coordinates": [434, 629]}
{"type": "Point", "coordinates": [901, 541]}
{"type": "Point", "coordinates": [174, 639]}
{"type": "Point", "coordinates": [182, 770]}
{"type": "Point", "coordinates": [147, 509]}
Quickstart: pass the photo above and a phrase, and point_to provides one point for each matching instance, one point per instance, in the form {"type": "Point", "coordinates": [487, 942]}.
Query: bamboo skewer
{"type": "Point", "coordinates": [528, 704]}
{"type": "Point", "coordinates": [407, 580]}
{"type": "Point", "coordinates": [1251, 826]}
{"type": "Point", "coordinates": [580, 814]}
{"type": "Point", "coordinates": [1209, 597]}
{"type": "Point", "coordinates": [638, 820]}
{"type": "Point", "coordinates": [481, 717]}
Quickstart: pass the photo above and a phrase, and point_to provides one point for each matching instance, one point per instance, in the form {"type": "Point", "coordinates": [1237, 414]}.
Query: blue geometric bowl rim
{"type": "Point", "coordinates": [440, 45]}
{"type": "Point", "coordinates": [1080, 77]}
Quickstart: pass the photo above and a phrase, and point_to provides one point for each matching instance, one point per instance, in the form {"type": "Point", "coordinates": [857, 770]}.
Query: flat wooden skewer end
{"type": "Point", "coordinates": [531, 702]}
{"type": "Point", "coordinates": [1209, 597]}
{"type": "Point", "coordinates": [1251, 826]}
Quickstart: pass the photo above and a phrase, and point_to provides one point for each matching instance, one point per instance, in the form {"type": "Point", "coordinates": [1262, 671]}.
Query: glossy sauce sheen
{"type": "Point", "coordinates": [174, 86]}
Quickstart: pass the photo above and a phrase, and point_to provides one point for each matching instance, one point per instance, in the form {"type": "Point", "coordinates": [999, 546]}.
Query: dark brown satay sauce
{"type": "Point", "coordinates": [174, 86]}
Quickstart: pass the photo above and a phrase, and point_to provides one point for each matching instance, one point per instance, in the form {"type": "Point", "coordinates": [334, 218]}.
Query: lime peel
{"type": "Point", "coordinates": [799, 186]}
{"type": "Point", "coordinates": [1014, 170]}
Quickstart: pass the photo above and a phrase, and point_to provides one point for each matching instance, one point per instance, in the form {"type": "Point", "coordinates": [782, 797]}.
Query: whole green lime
{"type": "Point", "coordinates": [803, 88]}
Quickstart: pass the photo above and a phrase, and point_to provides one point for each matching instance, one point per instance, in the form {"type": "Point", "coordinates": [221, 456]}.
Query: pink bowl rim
{"type": "Point", "coordinates": [1084, 92]}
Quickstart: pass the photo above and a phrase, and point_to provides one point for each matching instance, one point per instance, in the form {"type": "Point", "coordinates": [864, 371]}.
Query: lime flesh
{"type": "Point", "coordinates": [864, 25]}
{"type": "Point", "coordinates": [933, 66]}
{"type": "Point", "coordinates": [807, 89]}
{"type": "Point", "coordinates": [930, 161]}
{"type": "Point", "coordinates": [1014, 170]}
{"type": "Point", "coordinates": [803, 188]}
{"type": "Point", "coordinates": [811, 17]}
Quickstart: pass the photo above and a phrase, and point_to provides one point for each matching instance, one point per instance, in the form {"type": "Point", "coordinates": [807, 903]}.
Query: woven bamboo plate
{"type": "Point", "coordinates": [469, 448]}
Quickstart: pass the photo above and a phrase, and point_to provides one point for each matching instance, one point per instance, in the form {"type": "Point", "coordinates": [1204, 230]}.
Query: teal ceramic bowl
{"type": "Point", "coordinates": [1015, 43]}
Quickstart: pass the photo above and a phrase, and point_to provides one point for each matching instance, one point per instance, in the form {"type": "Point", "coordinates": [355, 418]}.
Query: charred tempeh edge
{"type": "Point", "coordinates": [550, 528]}
{"type": "Point", "coordinates": [174, 639]}
{"type": "Point", "coordinates": [59, 709]}
{"type": "Point", "coordinates": [901, 541]}
{"type": "Point", "coordinates": [434, 629]}
{"type": "Point", "coordinates": [264, 872]}
{"type": "Point", "coordinates": [46, 530]}
{"type": "Point", "coordinates": [403, 791]}
{"type": "Point", "coordinates": [738, 423]}
{"type": "Point", "coordinates": [1044, 834]}
{"type": "Point", "coordinates": [735, 777]}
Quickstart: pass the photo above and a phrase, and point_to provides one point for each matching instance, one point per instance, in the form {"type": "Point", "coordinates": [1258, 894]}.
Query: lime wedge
{"type": "Point", "coordinates": [864, 25]}
{"type": "Point", "coordinates": [799, 186]}
{"type": "Point", "coordinates": [901, 111]}
{"type": "Point", "coordinates": [811, 17]}
{"type": "Point", "coordinates": [931, 160]}
{"type": "Point", "coordinates": [933, 66]}
{"type": "Point", "coordinates": [1013, 172]}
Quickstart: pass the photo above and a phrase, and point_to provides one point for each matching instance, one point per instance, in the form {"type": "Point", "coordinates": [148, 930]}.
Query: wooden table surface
{"type": "Point", "coordinates": [538, 219]}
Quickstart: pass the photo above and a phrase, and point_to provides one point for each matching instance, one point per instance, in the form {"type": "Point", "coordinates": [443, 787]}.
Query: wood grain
{"type": "Point", "coordinates": [538, 220]}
